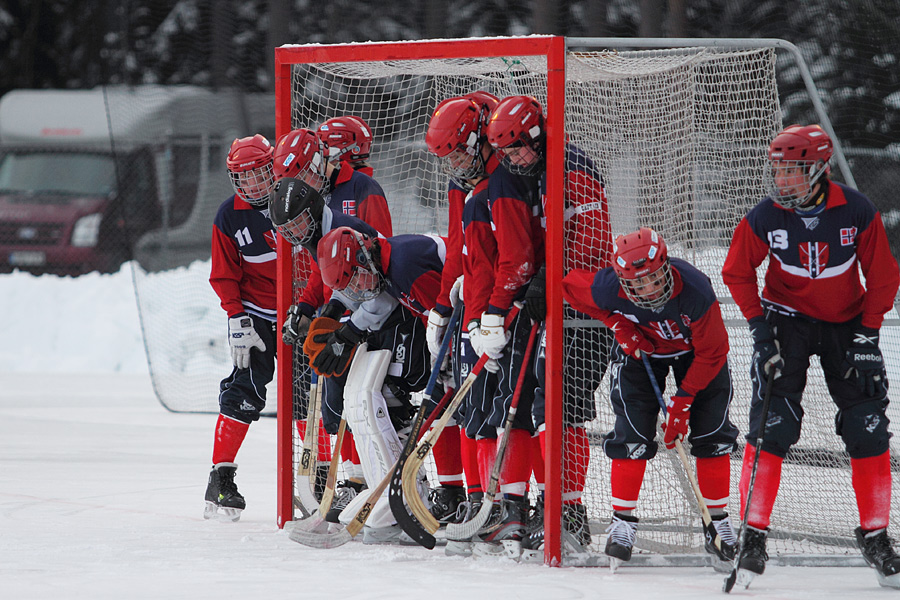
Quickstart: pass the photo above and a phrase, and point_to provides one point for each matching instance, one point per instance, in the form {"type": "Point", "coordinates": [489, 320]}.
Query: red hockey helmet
{"type": "Point", "coordinates": [295, 210]}
{"type": "Point", "coordinates": [516, 130]}
{"type": "Point", "coordinates": [345, 258]}
{"type": "Point", "coordinates": [456, 136]}
{"type": "Point", "coordinates": [301, 155]}
{"type": "Point", "coordinates": [486, 100]}
{"type": "Point", "coordinates": [799, 155]}
{"type": "Point", "coordinates": [249, 166]}
{"type": "Point", "coordinates": [641, 262]}
{"type": "Point", "coordinates": [346, 138]}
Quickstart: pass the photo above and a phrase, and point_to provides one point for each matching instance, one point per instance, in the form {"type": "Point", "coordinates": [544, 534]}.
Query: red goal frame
{"type": "Point", "coordinates": [554, 49]}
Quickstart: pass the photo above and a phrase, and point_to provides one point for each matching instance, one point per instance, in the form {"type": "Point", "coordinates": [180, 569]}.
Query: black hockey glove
{"type": "Point", "coordinates": [295, 327]}
{"type": "Point", "coordinates": [536, 297]}
{"type": "Point", "coordinates": [864, 362]}
{"type": "Point", "coordinates": [766, 350]}
{"type": "Point", "coordinates": [340, 346]}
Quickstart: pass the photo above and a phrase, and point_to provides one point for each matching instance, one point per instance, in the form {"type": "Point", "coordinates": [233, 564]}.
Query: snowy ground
{"type": "Point", "coordinates": [101, 490]}
{"type": "Point", "coordinates": [101, 496]}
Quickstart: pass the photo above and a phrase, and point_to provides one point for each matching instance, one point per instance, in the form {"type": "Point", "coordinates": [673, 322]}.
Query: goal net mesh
{"type": "Point", "coordinates": [680, 138]}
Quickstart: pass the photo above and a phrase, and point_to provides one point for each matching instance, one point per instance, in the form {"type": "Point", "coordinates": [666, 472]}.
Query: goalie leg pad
{"type": "Point", "coordinates": [376, 440]}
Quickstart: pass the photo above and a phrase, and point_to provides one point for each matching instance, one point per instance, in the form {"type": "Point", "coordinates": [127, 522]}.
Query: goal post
{"type": "Point", "coordinates": [678, 130]}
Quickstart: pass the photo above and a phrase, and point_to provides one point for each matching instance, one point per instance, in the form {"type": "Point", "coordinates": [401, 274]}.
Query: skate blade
{"type": "Point", "coordinates": [532, 556]}
{"type": "Point", "coordinates": [614, 564]}
{"type": "Point", "coordinates": [230, 515]}
{"type": "Point", "coordinates": [458, 548]}
{"type": "Point", "coordinates": [888, 581]}
{"type": "Point", "coordinates": [745, 578]}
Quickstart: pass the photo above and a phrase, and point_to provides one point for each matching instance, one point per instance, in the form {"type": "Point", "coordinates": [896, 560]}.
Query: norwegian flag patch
{"type": "Point", "coordinates": [348, 207]}
{"type": "Point", "coordinates": [848, 236]}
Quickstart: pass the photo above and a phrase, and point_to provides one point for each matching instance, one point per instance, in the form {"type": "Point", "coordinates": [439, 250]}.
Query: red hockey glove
{"type": "Point", "coordinates": [629, 337]}
{"type": "Point", "coordinates": [679, 412]}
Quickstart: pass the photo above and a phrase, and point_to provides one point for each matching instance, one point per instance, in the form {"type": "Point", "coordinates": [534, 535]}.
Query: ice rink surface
{"type": "Point", "coordinates": [101, 497]}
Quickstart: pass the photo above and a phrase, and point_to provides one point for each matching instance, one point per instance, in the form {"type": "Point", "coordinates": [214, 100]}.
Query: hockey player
{"type": "Point", "coordinates": [243, 276]}
{"type": "Point", "coordinates": [456, 135]}
{"type": "Point", "coordinates": [300, 153]}
{"type": "Point", "coordinates": [349, 139]}
{"type": "Point", "coordinates": [665, 308]}
{"type": "Point", "coordinates": [817, 235]}
{"type": "Point", "coordinates": [517, 132]}
{"type": "Point", "coordinates": [514, 212]}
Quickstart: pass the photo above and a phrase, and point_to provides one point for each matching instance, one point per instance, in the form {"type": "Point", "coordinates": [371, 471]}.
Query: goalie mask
{"type": "Point", "coordinates": [296, 209]}
{"type": "Point", "coordinates": [641, 262]}
{"type": "Point", "coordinates": [300, 154]}
{"type": "Point", "coordinates": [799, 157]}
{"type": "Point", "coordinates": [346, 138]}
{"type": "Point", "coordinates": [345, 259]}
{"type": "Point", "coordinates": [456, 136]}
{"type": "Point", "coordinates": [249, 166]}
{"type": "Point", "coordinates": [517, 133]}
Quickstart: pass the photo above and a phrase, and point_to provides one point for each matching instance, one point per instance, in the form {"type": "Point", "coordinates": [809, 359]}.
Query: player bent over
{"type": "Point", "coordinates": [665, 308]}
{"type": "Point", "coordinates": [243, 276]}
{"type": "Point", "coordinates": [818, 235]}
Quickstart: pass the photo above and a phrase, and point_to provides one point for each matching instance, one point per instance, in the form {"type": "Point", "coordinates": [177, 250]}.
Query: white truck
{"type": "Point", "coordinates": [91, 178]}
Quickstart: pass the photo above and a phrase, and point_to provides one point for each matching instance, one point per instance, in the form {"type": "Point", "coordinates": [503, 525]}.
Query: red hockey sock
{"type": "Point", "coordinates": [576, 456]}
{"type": "Point", "coordinates": [872, 484]}
{"type": "Point", "coordinates": [625, 482]}
{"type": "Point", "coordinates": [229, 437]}
{"type": "Point", "coordinates": [487, 450]}
{"type": "Point", "coordinates": [324, 444]}
{"type": "Point", "coordinates": [447, 458]}
{"type": "Point", "coordinates": [347, 447]}
{"type": "Point", "coordinates": [537, 460]}
{"type": "Point", "coordinates": [714, 479]}
{"type": "Point", "coordinates": [516, 469]}
{"type": "Point", "coordinates": [765, 488]}
{"type": "Point", "coordinates": [469, 455]}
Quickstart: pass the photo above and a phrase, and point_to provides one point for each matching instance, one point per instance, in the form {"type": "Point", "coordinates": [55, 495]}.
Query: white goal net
{"type": "Point", "coordinates": [680, 137]}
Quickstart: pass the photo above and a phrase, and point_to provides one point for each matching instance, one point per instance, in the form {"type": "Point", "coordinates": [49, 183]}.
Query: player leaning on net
{"type": "Point", "coordinates": [817, 235]}
{"type": "Point", "coordinates": [302, 154]}
{"type": "Point", "coordinates": [517, 132]}
{"type": "Point", "coordinates": [348, 139]}
{"type": "Point", "coordinates": [456, 135]}
{"type": "Point", "coordinates": [665, 308]}
{"type": "Point", "coordinates": [514, 214]}
{"type": "Point", "coordinates": [243, 276]}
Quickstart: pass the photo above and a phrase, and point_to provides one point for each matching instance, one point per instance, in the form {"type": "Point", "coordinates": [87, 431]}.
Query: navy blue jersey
{"type": "Point", "coordinates": [358, 195]}
{"type": "Point", "coordinates": [413, 272]}
{"type": "Point", "coordinates": [243, 259]}
{"type": "Point", "coordinates": [814, 260]}
{"type": "Point", "coordinates": [479, 252]}
{"type": "Point", "coordinates": [690, 321]}
{"type": "Point", "coordinates": [516, 220]}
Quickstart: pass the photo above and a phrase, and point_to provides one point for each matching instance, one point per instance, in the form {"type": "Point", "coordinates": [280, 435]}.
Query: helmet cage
{"type": "Point", "coordinates": [253, 185]}
{"type": "Point", "coordinates": [532, 168]}
{"type": "Point", "coordinates": [796, 194]}
{"type": "Point", "coordinates": [299, 230]}
{"type": "Point", "coordinates": [660, 283]}
{"type": "Point", "coordinates": [641, 263]}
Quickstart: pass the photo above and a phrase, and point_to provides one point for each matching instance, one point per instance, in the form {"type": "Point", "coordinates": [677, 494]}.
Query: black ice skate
{"type": "Point", "coordinates": [533, 542]}
{"type": "Point", "coordinates": [445, 501]}
{"type": "Point", "coordinates": [222, 493]}
{"type": "Point", "coordinates": [620, 541]}
{"type": "Point", "coordinates": [344, 492]}
{"type": "Point", "coordinates": [879, 553]}
{"type": "Point", "coordinates": [503, 533]}
{"type": "Point", "coordinates": [753, 555]}
{"type": "Point", "coordinates": [725, 554]}
{"type": "Point", "coordinates": [466, 511]}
